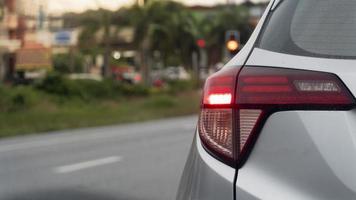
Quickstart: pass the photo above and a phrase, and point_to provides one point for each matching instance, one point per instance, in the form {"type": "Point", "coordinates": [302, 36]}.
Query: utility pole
{"type": "Point", "coordinates": [144, 51]}
{"type": "Point", "coordinates": [145, 65]}
{"type": "Point", "coordinates": [106, 20]}
{"type": "Point", "coordinates": [107, 45]}
{"type": "Point", "coordinates": [1, 51]}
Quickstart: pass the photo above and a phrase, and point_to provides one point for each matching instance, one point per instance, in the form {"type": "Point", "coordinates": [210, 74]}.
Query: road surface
{"type": "Point", "coordinates": [142, 161]}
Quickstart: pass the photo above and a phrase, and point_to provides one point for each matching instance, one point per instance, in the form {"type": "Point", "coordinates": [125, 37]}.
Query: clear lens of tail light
{"type": "Point", "coordinates": [248, 121]}
{"type": "Point", "coordinates": [215, 127]}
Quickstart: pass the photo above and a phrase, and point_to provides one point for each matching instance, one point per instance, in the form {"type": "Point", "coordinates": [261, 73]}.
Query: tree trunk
{"type": "Point", "coordinates": [107, 47]}
{"type": "Point", "coordinates": [145, 68]}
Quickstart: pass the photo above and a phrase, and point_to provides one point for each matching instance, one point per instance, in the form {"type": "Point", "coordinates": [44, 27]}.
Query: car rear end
{"type": "Point", "coordinates": [279, 120]}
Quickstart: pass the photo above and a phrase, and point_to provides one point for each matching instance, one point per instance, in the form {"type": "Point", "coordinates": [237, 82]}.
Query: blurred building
{"type": "Point", "coordinates": [255, 11]}
{"type": "Point", "coordinates": [24, 38]}
{"type": "Point", "coordinates": [9, 41]}
{"type": "Point", "coordinates": [141, 2]}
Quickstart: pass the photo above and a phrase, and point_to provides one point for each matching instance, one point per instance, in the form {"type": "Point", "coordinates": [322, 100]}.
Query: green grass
{"type": "Point", "coordinates": [49, 116]}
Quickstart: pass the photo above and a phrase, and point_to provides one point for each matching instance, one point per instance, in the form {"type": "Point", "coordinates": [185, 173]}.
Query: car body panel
{"type": "Point", "coordinates": [302, 155]}
{"type": "Point", "coordinates": [205, 177]}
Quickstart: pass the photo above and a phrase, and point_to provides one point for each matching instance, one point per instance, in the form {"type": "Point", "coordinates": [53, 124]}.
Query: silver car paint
{"type": "Point", "coordinates": [205, 177]}
{"type": "Point", "coordinates": [303, 155]}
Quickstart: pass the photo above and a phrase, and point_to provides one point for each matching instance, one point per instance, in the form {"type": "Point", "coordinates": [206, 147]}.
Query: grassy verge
{"type": "Point", "coordinates": [49, 116]}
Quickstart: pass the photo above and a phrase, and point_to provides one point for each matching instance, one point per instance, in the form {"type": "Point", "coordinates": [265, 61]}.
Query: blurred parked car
{"type": "Point", "coordinates": [126, 74]}
{"type": "Point", "coordinates": [176, 73]}
{"type": "Point", "coordinates": [93, 77]}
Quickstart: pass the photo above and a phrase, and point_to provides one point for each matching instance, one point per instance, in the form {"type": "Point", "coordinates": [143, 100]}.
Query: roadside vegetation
{"type": "Point", "coordinates": [58, 103]}
{"type": "Point", "coordinates": [136, 87]}
{"type": "Point", "coordinates": [164, 31]}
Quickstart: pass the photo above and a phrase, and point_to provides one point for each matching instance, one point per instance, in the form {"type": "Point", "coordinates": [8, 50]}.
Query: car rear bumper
{"type": "Point", "coordinates": [205, 178]}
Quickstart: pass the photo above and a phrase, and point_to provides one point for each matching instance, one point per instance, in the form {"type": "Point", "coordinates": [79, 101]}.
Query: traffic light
{"type": "Point", "coordinates": [232, 43]}
{"type": "Point", "coordinates": [201, 43]}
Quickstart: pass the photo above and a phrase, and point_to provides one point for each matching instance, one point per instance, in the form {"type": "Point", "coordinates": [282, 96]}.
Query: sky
{"type": "Point", "coordinates": [60, 6]}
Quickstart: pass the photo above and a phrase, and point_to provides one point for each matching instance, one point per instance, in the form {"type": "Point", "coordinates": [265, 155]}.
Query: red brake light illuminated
{"type": "Point", "coordinates": [220, 88]}
{"type": "Point", "coordinates": [237, 103]}
{"type": "Point", "coordinates": [220, 99]}
{"type": "Point", "coordinates": [216, 118]}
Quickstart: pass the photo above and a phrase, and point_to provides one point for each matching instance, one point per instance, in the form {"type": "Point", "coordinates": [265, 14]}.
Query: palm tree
{"type": "Point", "coordinates": [106, 23]}
{"type": "Point", "coordinates": [163, 26]}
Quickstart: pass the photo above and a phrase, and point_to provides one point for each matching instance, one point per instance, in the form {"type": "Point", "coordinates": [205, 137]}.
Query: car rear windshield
{"type": "Point", "coordinates": [319, 28]}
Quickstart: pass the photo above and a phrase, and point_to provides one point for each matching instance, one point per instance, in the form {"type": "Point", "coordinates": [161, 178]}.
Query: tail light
{"type": "Point", "coordinates": [237, 102]}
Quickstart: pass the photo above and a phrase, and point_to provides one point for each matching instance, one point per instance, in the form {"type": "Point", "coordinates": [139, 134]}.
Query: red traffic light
{"type": "Point", "coordinates": [201, 43]}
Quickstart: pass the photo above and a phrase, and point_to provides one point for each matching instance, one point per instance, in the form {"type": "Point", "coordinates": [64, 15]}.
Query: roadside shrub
{"type": "Point", "coordinates": [68, 63]}
{"type": "Point", "coordinates": [5, 99]}
{"type": "Point", "coordinates": [57, 84]}
{"type": "Point", "coordinates": [161, 102]}
{"type": "Point", "coordinates": [97, 90]}
{"type": "Point", "coordinates": [133, 90]}
{"type": "Point", "coordinates": [23, 98]}
{"type": "Point", "coordinates": [17, 98]}
{"type": "Point", "coordinates": [175, 87]}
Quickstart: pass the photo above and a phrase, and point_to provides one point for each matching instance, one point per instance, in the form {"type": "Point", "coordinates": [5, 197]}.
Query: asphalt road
{"type": "Point", "coordinates": [141, 161]}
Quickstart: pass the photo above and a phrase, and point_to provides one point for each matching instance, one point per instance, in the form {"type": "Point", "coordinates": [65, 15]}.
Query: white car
{"type": "Point", "coordinates": [278, 122]}
{"type": "Point", "coordinates": [176, 73]}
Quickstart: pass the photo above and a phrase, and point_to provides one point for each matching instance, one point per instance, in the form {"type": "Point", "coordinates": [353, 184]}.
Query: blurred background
{"type": "Point", "coordinates": [54, 54]}
{"type": "Point", "coordinates": [68, 64]}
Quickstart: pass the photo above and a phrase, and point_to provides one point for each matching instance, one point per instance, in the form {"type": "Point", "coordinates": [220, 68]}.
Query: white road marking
{"type": "Point", "coordinates": [88, 164]}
